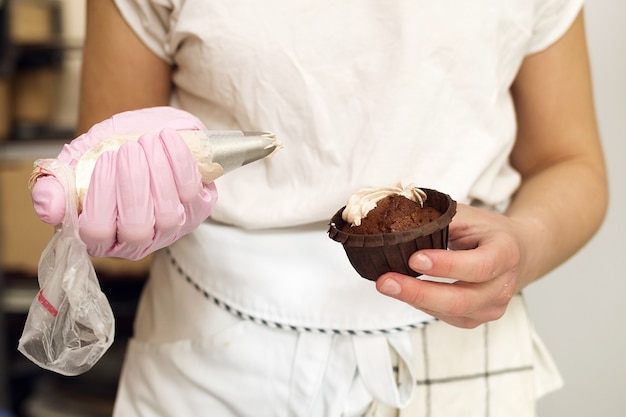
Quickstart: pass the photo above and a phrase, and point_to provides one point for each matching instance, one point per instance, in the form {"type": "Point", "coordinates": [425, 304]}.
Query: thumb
{"type": "Point", "coordinates": [48, 198]}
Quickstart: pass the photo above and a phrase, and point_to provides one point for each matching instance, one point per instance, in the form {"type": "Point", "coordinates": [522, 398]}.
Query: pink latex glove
{"type": "Point", "coordinates": [141, 198]}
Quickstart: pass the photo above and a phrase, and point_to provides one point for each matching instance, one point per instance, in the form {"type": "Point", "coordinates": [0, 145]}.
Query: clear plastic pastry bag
{"type": "Point", "coordinates": [70, 324]}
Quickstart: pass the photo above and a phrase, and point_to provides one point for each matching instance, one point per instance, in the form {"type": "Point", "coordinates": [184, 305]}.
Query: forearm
{"type": "Point", "coordinates": [563, 196]}
{"type": "Point", "coordinates": [557, 210]}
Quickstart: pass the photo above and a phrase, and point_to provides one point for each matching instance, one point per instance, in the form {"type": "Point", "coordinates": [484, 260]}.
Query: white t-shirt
{"type": "Point", "coordinates": [410, 90]}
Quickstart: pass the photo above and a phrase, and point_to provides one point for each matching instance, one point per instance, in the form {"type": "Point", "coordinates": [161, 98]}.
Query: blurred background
{"type": "Point", "coordinates": [39, 67]}
{"type": "Point", "coordinates": [578, 309]}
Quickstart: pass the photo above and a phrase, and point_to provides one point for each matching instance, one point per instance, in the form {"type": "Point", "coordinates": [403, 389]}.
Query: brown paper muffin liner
{"type": "Point", "coordinates": [373, 255]}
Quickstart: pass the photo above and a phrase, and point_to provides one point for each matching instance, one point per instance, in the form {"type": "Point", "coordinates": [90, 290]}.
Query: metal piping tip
{"type": "Point", "coordinates": [235, 149]}
{"type": "Point", "coordinates": [230, 149]}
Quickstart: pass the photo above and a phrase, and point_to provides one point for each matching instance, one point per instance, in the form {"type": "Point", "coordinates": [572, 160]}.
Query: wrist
{"type": "Point", "coordinates": [532, 238]}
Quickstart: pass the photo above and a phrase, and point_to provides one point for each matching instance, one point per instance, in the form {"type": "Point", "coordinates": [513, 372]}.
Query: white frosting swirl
{"type": "Point", "coordinates": [364, 200]}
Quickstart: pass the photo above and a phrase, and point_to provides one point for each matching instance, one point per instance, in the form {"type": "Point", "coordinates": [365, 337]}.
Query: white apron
{"type": "Point", "coordinates": [288, 338]}
{"type": "Point", "coordinates": [295, 277]}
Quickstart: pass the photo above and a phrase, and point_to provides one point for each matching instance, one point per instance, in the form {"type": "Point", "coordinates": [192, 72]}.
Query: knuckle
{"type": "Point", "coordinates": [459, 306]}
{"type": "Point", "coordinates": [468, 324]}
{"type": "Point", "coordinates": [487, 269]}
{"type": "Point", "coordinates": [95, 234]}
{"type": "Point", "coordinates": [135, 234]}
{"type": "Point", "coordinates": [170, 221]}
{"type": "Point", "coordinates": [416, 297]}
{"type": "Point", "coordinates": [495, 314]}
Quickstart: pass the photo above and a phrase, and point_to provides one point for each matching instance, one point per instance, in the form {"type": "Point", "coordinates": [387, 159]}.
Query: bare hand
{"type": "Point", "coordinates": [484, 262]}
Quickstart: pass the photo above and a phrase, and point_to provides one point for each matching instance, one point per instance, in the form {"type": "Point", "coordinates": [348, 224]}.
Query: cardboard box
{"type": "Point", "coordinates": [31, 21]}
{"type": "Point", "coordinates": [23, 236]}
{"type": "Point", "coordinates": [34, 95]}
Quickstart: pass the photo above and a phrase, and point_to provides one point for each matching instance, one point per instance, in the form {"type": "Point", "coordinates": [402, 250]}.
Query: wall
{"type": "Point", "coordinates": [580, 309]}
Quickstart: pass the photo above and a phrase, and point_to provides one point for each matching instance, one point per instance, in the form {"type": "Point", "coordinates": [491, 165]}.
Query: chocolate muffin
{"type": "Point", "coordinates": [381, 227]}
{"type": "Point", "coordinates": [394, 213]}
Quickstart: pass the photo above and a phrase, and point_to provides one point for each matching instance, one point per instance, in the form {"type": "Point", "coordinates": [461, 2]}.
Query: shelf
{"type": "Point", "coordinates": [17, 298]}
{"type": "Point", "coordinates": [21, 151]}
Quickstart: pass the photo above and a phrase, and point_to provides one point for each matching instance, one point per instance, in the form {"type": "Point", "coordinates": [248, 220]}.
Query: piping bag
{"type": "Point", "coordinates": [70, 324]}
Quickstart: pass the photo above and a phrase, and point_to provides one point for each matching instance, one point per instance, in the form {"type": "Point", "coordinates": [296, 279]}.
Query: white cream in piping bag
{"type": "Point", "coordinates": [216, 152]}
{"type": "Point", "coordinates": [364, 200]}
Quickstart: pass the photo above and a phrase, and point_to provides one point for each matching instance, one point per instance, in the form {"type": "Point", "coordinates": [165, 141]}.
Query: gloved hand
{"type": "Point", "coordinates": [141, 198]}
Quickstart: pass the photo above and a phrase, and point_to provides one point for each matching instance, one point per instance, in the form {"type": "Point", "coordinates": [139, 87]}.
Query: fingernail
{"type": "Point", "coordinates": [390, 287]}
{"type": "Point", "coordinates": [421, 262]}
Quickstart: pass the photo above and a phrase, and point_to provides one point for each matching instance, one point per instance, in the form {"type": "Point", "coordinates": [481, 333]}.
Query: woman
{"type": "Point", "coordinates": [256, 312]}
